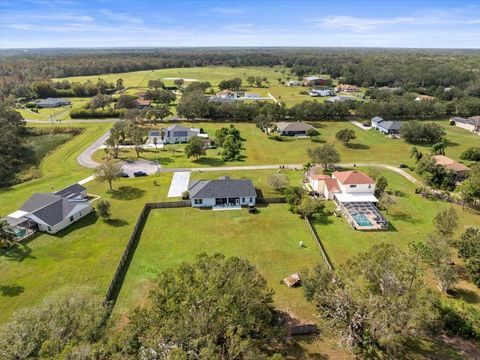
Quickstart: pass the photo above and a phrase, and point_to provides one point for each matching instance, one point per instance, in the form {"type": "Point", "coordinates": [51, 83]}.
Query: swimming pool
{"type": "Point", "coordinates": [362, 220]}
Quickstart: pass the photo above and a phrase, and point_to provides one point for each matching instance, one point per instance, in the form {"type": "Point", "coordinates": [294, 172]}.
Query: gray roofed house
{"type": "Point", "coordinates": [52, 102]}
{"type": "Point", "coordinates": [74, 190]}
{"type": "Point", "coordinates": [472, 123]}
{"type": "Point", "coordinates": [222, 193]}
{"type": "Point", "coordinates": [390, 127]}
{"type": "Point", "coordinates": [375, 121]}
{"type": "Point", "coordinates": [49, 212]}
{"type": "Point", "coordinates": [178, 134]}
{"type": "Point", "coordinates": [340, 98]}
{"type": "Point", "coordinates": [295, 128]}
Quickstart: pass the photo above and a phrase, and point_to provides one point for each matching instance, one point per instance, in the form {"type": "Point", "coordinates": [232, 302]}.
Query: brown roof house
{"type": "Point", "coordinates": [450, 164]}
{"type": "Point", "coordinates": [142, 103]}
{"type": "Point", "coordinates": [346, 88]}
{"type": "Point", "coordinates": [314, 80]}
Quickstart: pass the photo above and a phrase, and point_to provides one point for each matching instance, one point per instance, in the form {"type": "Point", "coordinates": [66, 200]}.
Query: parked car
{"type": "Point", "coordinates": [403, 166]}
{"type": "Point", "coordinates": [124, 175]}
{"type": "Point", "coordinates": [139, 173]}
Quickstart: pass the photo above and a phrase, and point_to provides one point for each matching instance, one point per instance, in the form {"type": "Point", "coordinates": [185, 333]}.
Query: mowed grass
{"type": "Point", "coordinates": [54, 114]}
{"type": "Point", "coordinates": [260, 149]}
{"type": "Point", "coordinates": [411, 219]}
{"type": "Point", "coordinates": [268, 239]}
{"type": "Point", "coordinates": [138, 80]}
{"type": "Point", "coordinates": [58, 169]}
{"type": "Point", "coordinates": [86, 253]}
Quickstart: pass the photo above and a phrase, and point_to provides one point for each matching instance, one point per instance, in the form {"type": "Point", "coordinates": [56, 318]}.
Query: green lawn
{"type": "Point", "coordinates": [58, 169]}
{"type": "Point", "coordinates": [85, 253]}
{"type": "Point", "coordinates": [138, 80]}
{"type": "Point", "coordinates": [268, 239]}
{"type": "Point", "coordinates": [411, 219]}
{"type": "Point", "coordinates": [370, 146]}
{"type": "Point", "coordinates": [55, 114]}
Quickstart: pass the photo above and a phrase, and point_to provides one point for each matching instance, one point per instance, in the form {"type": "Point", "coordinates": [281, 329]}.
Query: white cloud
{"type": "Point", "coordinates": [435, 17]}
{"type": "Point", "coordinates": [229, 10]}
{"type": "Point", "coordinates": [121, 17]}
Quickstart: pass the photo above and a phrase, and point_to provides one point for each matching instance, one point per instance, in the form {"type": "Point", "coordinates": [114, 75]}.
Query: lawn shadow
{"type": "Point", "coordinates": [318, 125]}
{"type": "Point", "coordinates": [89, 220]}
{"type": "Point", "coordinates": [209, 161]}
{"type": "Point", "coordinates": [436, 350]}
{"type": "Point", "coordinates": [325, 218]}
{"type": "Point", "coordinates": [11, 290]}
{"type": "Point", "coordinates": [18, 251]}
{"type": "Point", "coordinates": [163, 160]}
{"type": "Point", "coordinates": [116, 222]}
{"type": "Point", "coordinates": [466, 295]}
{"type": "Point", "coordinates": [317, 140]}
{"type": "Point", "coordinates": [450, 143]}
{"type": "Point", "coordinates": [357, 146]}
{"type": "Point", "coordinates": [127, 193]}
{"type": "Point", "coordinates": [401, 216]}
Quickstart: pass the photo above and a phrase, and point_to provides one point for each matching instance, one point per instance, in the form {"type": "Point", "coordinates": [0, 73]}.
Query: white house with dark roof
{"type": "Point", "coordinates": [387, 127]}
{"type": "Point", "coordinates": [223, 193]}
{"type": "Point", "coordinates": [174, 134]}
{"type": "Point", "coordinates": [49, 212]}
{"type": "Point", "coordinates": [295, 128]}
{"type": "Point", "coordinates": [52, 102]}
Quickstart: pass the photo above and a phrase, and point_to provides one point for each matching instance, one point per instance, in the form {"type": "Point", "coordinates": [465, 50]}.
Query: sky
{"type": "Point", "coordinates": [186, 23]}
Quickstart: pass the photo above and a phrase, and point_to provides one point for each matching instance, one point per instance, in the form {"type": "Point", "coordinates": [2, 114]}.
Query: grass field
{"type": "Point", "coordinates": [268, 239]}
{"type": "Point", "coordinates": [138, 80]}
{"type": "Point", "coordinates": [411, 219]}
{"type": "Point", "coordinates": [54, 114]}
{"type": "Point", "coordinates": [370, 146]}
{"type": "Point", "coordinates": [58, 169]}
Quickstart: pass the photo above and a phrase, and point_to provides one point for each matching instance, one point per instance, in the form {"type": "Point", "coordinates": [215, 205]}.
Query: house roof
{"type": "Point", "coordinates": [340, 98]}
{"type": "Point", "coordinates": [72, 190]}
{"type": "Point", "coordinates": [220, 99]}
{"type": "Point", "coordinates": [391, 125]}
{"type": "Point", "coordinates": [448, 163]}
{"type": "Point", "coordinates": [154, 133]}
{"type": "Point", "coordinates": [294, 126]}
{"type": "Point", "coordinates": [221, 188]}
{"type": "Point", "coordinates": [53, 101]}
{"type": "Point", "coordinates": [225, 92]}
{"type": "Point", "coordinates": [179, 130]}
{"type": "Point", "coordinates": [377, 119]}
{"type": "Point", "coordinates": [332, 184]}
{"type": "Point", "coordinates": [352, 177]}
{"type": "Point", "coordinates": [142, 102]}
{"type": "Point", "coordinates": [474, 120]}
{"type": "Point", "coordinates": [312, 78]}
{"type": "Point", "coordinates": [50, 208]}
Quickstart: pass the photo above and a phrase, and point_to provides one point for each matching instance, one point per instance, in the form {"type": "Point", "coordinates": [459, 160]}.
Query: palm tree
{"type": "Point", "coordinates": [5, 232]}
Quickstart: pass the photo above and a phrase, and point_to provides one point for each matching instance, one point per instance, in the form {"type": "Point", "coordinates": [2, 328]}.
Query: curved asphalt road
{"type": "Point", "coordinates": [85, 158]}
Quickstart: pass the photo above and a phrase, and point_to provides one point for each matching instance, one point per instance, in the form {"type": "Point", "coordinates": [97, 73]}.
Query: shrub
{"type": "Point", "coordinates": [460, 318]}
{"type": "Point", "coordinates": [185, 195]}
{"type": "Point", "coordinates": [472, 154]}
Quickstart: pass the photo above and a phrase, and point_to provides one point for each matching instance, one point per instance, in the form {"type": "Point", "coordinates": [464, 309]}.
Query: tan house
{"type": "Point", "coordinates": [451, 164]}
{"type": "Point", "coordinates": [424, 98]}
{"type": "Point", "coordinates": [346, 88]}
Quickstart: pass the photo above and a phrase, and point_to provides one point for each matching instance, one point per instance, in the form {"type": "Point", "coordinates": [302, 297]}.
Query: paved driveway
{"type": "Point", "coordinates": [179, 184]}
{"type": "Point", "coordinates": [150, 167]}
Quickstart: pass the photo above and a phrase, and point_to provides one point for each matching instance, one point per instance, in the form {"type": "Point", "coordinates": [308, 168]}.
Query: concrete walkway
{"type": "Point", "coordinates": [360, 125]}
{"type": "Point", "coordinates": [179, 184]}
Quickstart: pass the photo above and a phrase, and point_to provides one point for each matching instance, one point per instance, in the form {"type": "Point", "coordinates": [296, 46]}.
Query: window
{"type": "Point", "coordinates": [200, 201]}
{"type": "Point", "coordinates": [243, 199]}
{"type": "Point", "coordinates": [71, 218]}
{"type": "Point", "coordinates": [369, 186]}
{"type": "Point", "coordinates": [353, 186]}
{"type": "Point", "coordinates": [196, 201]}
{"type": "Point", "coordinates": [49, 228]}
{"type": "Point", "coordinates": [251, 199]}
